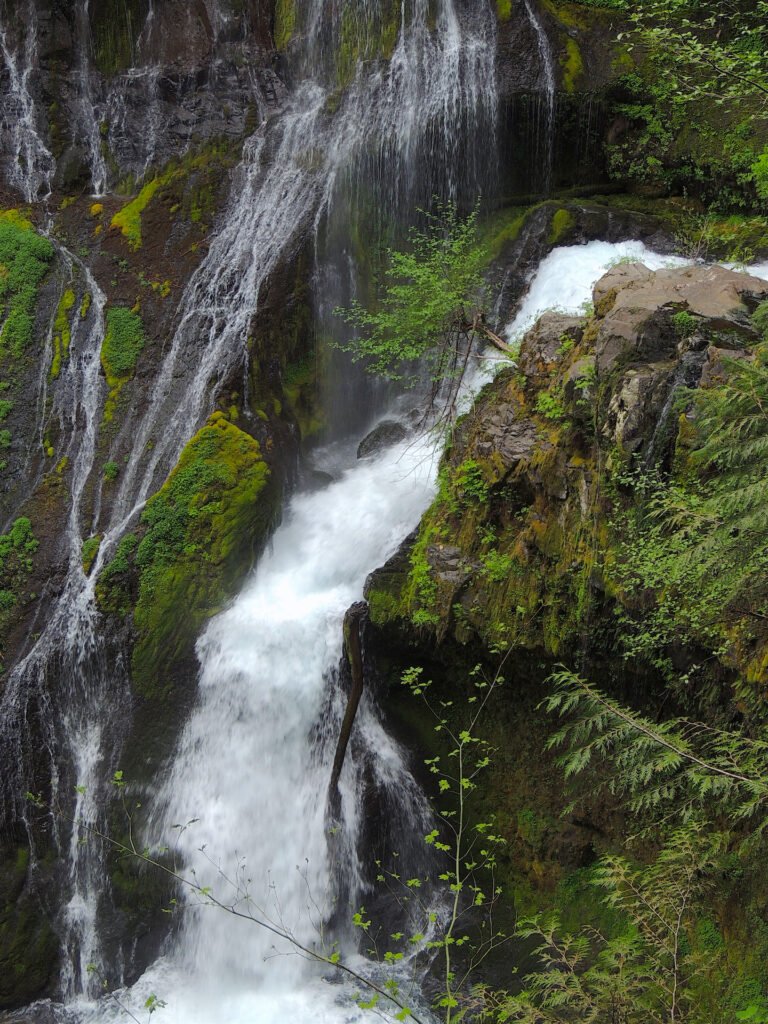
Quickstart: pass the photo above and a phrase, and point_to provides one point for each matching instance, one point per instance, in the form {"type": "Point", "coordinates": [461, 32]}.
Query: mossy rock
{"type": "Point", "coordinates": [28, 946]}
{"type": "Point", "coordinates": [203, 527]}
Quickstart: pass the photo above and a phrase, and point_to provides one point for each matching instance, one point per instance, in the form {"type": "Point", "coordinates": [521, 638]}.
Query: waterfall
{"type": "Point", "coordinates": [31, 165]}
{"type": "Point", "coordinates": [64, 692]}
{"type": "Point", "coordinates": [548, 71]}
{"type": "Point", "coordinates": [288, 181]}
{"type": "Point", "coordinates": [254, 761]}
{"type": "Point", "coordinates": [89, 112]}
{"type": "Point", "coordinates": [397, 131]}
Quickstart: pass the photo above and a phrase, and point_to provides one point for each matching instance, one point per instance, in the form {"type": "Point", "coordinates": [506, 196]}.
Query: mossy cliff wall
{"type": "Point", "coordinates": [518, 565]}
{"type": "Point", "coordinates": [201, 532]}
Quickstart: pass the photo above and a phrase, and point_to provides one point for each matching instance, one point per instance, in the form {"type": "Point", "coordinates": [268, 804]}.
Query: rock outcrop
{"type": "Point", "coordinates": [517, 565]}
{"type": "Point", "coordinates": [522, 510]}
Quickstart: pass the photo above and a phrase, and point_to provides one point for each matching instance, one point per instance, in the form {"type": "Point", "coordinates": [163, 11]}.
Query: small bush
{"type": "Point", "coordinates": [684, 324]}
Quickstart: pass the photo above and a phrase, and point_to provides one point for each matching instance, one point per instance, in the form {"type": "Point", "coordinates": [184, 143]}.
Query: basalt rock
{"type": "Point", "coordinates": [382, 436]}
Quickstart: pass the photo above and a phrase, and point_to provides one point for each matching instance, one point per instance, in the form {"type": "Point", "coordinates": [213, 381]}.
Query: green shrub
{"type": "Point", "coordinates": [549, 407]}
{"type": "Point", "coordinates": [684, 323]}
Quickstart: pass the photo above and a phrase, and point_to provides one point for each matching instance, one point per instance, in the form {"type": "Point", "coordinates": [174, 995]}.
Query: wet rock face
{"type": "Point", "coordinates": [114, 89]}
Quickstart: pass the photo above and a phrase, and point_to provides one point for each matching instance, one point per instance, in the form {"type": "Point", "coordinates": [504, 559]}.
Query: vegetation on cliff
{"type": "Point", "coordinates": [25, 259]}
{"type": "Point", "coordinates": [583, 511]}
{"type": "Point", "coordinates": [199, 532]}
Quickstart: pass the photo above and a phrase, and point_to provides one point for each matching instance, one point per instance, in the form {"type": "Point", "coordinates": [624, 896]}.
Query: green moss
{"type": "Point", "coordinates": [122, 344]}
{"type": "Point", "coordinates": [113, 589]}
{"type": "Point", "coordinates": [61, 332]}
{"type": "Point", "coordinates": [202, 529]}
{"type": "Point", "coordinates": [504, 9]}
{"type": "Point", "coordinates": [366, 38]}
{"type": "Point", "coordinates": [128, 219]}
{"type": "Point", "coordinates": [300, 386]}
{"type": "Point", "coordinates": [563, 223]}
{"type": "Point", "coordinates": [90, 550]}
{"type": "Point", "coordinates": [573, 67]}
{"type": "Point", "coordinates": [501, 229]}
{"type": "Point", "coordinates": [25, 259]}
{"type": "Point", "coordinates": [28, 946]}
{"type": "Point", "coordinates": [17, 548]}
{"type": "Point", "coordinates": [285, 22]}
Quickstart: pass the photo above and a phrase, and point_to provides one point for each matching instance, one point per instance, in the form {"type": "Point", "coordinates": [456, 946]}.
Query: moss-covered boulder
{"type": "Point", "coordinates": [201, 532]}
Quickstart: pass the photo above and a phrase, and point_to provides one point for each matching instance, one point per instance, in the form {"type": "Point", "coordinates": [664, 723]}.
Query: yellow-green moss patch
{"type": "Point", "coordinates": [203, 527]}
{"type": "Point", "coordinates": [563, 223]}
{"type": "Point", "coordinates": [285, 22]}
{"type": "Point", "coordinates": [573, 67]}
{"type": "Point", "coordinates": [89, 552]}
{"type": "Point", "coordinates": [128, 220]}
{"type": "Point", "coordinates": [61, 332]}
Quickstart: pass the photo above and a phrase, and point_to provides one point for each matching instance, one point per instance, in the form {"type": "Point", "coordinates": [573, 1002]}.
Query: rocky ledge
{"type": "Point", "coordinates": [519, 541]}
{"type": "Point", "coordinates": [541, 548]}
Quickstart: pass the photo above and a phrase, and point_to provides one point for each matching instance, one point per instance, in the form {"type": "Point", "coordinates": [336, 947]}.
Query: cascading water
{"type": "Point", "coordinates": [548, 72]}
{"type": "Point", "coordinates": [289, 178]}
{"type": "Point", "coordinates": [66, 676]}
{"type": "Point", "coordinates": [400, 133]}
{"type": "Point", "coordinates": [31, 165]}
{"type": "Point", "coordinates": [248, 768]}
{"type": "Point", "coordinates": [89, 111]}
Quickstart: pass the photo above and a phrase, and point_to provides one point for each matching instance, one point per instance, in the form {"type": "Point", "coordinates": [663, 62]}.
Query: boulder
{"type": "Point", "coordinates": [384, 435]}
{"type": "Point", "coordinates": [636, 306]}
{"type": "Point", "coordinates": [546, 344]}
{"type": "Point", "coordinates": [507, 435]}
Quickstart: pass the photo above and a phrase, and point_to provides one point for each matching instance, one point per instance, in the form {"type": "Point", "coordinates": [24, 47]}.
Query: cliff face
{"type": "Point", "coordinates": [533, 555]}
{"type": "Point", "coordinates": [113, 89]}
{"type": "Point", "coordinates": [526, 519]}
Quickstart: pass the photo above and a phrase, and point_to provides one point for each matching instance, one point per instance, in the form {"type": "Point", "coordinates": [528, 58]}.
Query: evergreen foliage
{"type": "Point", "coordinates": [678, 766]}
{"type": "Point", "coordinates": [697, 546]}
{"type": "Point", "coordinates": [641, 975]}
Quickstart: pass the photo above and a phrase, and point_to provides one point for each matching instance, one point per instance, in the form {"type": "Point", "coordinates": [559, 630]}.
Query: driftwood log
{"type": "Point", "coordinates": [352, 638]}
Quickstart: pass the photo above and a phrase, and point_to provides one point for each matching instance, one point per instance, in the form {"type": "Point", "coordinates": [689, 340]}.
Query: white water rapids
{"type": "Point", "coordinates": [253, 763]}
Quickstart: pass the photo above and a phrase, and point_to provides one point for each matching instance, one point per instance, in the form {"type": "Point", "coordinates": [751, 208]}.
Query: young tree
{"type": "Point", "coordinates": [707, 48]}
{"type": "Point", "coordinates": [430, 316]}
